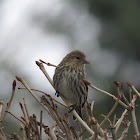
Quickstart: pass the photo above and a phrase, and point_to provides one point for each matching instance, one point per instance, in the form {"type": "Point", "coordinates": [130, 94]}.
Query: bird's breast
{"type": "Point", "coordinates": [68, 80]}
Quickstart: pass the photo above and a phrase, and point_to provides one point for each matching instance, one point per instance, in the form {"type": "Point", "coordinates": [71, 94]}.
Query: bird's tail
{"type": "Point", "coordinates": [78, 110]}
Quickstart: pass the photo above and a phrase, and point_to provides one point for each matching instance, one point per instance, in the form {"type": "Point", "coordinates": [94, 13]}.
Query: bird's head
{"type": "Point", "coordinates": [75, 58]}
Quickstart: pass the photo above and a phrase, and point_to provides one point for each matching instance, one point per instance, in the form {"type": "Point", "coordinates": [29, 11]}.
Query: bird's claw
{"type": "Point", "coordinates": [57, 94]}
{"type": "Point", "coordinates": [72, 107]}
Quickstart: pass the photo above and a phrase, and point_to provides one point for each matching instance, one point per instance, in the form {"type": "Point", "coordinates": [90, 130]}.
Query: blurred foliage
{"type": "Point", "coordinates": [120, 22]}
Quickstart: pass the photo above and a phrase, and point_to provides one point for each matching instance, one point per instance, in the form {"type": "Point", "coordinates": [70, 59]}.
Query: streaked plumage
{"type": "Point", "coordinates": [68, 79]}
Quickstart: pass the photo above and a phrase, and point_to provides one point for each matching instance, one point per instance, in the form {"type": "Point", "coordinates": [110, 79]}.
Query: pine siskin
{"type": "Point", "coordinates": [68, 80]}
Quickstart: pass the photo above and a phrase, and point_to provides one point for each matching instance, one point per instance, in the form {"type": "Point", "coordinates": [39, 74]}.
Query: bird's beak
{"type": "Point", "coordinates": [86, 62]}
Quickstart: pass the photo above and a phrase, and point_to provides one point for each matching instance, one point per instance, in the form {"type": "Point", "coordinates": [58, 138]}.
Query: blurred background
{"type": "Point", "coordinates": [108, 32]}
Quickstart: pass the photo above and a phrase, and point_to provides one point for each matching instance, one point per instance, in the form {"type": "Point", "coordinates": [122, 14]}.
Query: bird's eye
{"type": "Point", "coordinates": [77, 57]}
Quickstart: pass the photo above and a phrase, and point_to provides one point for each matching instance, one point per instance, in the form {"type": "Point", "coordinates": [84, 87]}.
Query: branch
{"type": "Point", "coordinates": [113, 131]}
{"type": "Point", "coordinates": [47, 95]}
{"type": "Point", "coordinates": [74, 112]}
{"type": "Point", "coordinates": [125, 132]}
{"type": "Point", "coordinates": [106, 93]}
{"type": "Point", "coordinates": [48, 64]}
{"type": "Point", "coordinates": [109, 114]}
{"type": "Point", "coordinates": [50, 133]}
{"type": "Point", "coordinates": [53, 113]}
{"type": "Point", "coordinates": [16, 117]}
{"type": "Point", "coordinates": [133, 88]}
{"type": "Point", "coordinates": [118, 123]}
{"type": "Point", "coordinates": [23, 133]}
{"type": "Point", "coordinates": [30, 91]}
{"type": "Point", "coordinates": [41, 66]}
{"type": "Point", "coordinates": [41, 116]}
{"type": "Point", "coordinates": [135, 121]}
{"type": "Point", "coordinates": [9, 103]}
{"type": "Point", "coordinates": [1, 106]}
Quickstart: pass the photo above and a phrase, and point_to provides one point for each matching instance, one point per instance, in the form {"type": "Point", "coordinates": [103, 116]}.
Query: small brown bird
{"type": "Point", "coordinates": [68, 79]}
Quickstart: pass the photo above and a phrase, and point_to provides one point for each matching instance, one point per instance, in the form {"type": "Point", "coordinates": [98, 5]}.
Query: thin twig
{"type": "Point", "coordinates": [113, 131]}
{"type": "Point", "coordinates": [114, 119]}
{"type": "Point", "coordinates": [125, 132]}
{"type": "Point", "coordinates": [9, 103]}
{"type": "Point", "coordinates": [48, 64]}
{"type": "Point", "coordinates": [41, 66]}
{"type": "Point", "coordinates": [91, 108]}
{"type": "Point", "coordinates": [36, 126]}
{"type": "Point", "coordinates": [135, 122]}
{"type": "Point", "coordinates": [50, 133]}
{"type": "Point", "coordinates": [75, 133]}
{"type": "Point", "coordinates": [133, 88]}
{"type": "Point", "coordinates": [30, 91]}
{"type": "Point", "coordinates": [87, 115]}
{"type": "Point", "coordinates": [22, 108]}
{"type": "Point", "coordinates": [53, 114]}
{"type": "Point", "coordinates": [47, 95]}
{"type": "Point", "coordinates": [66, 121]}
{"type": "Point", "coordinates": [33, 127]}
{"type": "Point", "coordinates": [74, 112]}
{"type": "Point", "coordinates": [23, 133]}
{"type": "Point", "coordinates": [26, 109]}
{"type": "Point", "coordinates": [125, 99]}
{"type": "Point", "coordinates": [93, 121]}
{"type": "Point", "coordinates": [41, 115]}
{"type": "Point", "coordinates": [105, 136]}
{"type": "Point", "coordinates": [106, 93]}
{"type": "Point", "coordinates": [118, 123]}
{"type": "Point", "coordinates": [109, 114]}
{"type": "Point", "coordinates": [114, 107]}
{"type": "Point", "coordinates": [107, 119]}
{"type": "Point", "coordinates": [1, 106]}
{"type": "Point", "coordinates": [29, 130]}
{"type": "Point", "coordinates": [16, 117]}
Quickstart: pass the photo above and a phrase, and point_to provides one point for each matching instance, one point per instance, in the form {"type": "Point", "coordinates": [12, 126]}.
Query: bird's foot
{"type": "Point", "coordinates": [72, 107]}
{"type": "Point", "coordinates": [57, 94]}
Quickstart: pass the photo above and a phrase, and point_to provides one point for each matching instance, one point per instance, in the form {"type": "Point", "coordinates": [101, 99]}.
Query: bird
{"type": "Point", "coordinates": [68, 80]}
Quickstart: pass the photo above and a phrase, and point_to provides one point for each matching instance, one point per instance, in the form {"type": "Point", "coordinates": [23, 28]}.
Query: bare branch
{"type": "Point", "coordinates": [50, 133]}
{"type": "Point", "coordinates": [74, 112]}
{"type": "Point", "coordinates": [30, 91]}
{"type": "Point", "coordinates": [9, 103]}
{"type": "Point", "coordinates": [49, 64]}
{"type": "Point", "coordinates": [111, 111]}
{"type": "Point", "coordinates": [113, 131]}
{"type": "Point", "coordinates": [1, 106]}
{"type": "Point", "coordinates": [125, 132]}
{"type": "Point", "coordinates": [135, 121]}
{"type": "Point", "coordinates": [133, 88]}
{"type": "Point", "coordinates": [48, 96]}
{"type": "Point", "coordinates": [23, 133]}
{"type": "Point", "coordinates": [106, 93]}
{"type": "Point", "coordinates": [41, 115]}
